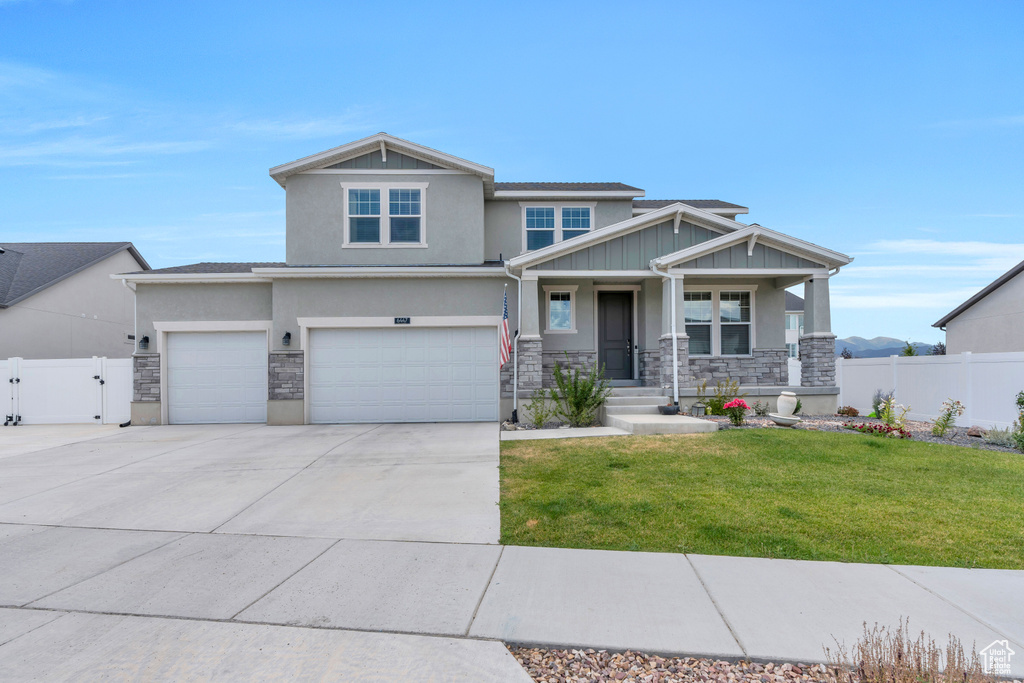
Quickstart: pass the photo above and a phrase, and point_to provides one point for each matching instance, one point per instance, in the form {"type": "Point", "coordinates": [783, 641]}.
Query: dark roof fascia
{"type": "Point", "coordinates": [127, 245]}
{"type": "Point", "coordinates": [993, 286]}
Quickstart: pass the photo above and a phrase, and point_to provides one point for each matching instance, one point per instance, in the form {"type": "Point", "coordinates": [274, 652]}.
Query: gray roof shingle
{"type": "Point", "coordinates": [991, 287]}
{"type": "Point", "coordinates": [208, 268]}
{"type": "Point", "coordinates": [27, 268]}
{"type": "Point", "coordinates": [566, 187]}
{"type": "Point", "coordinates": [695, 203]}
{"type": "Point", "coordinates": [793, 302]}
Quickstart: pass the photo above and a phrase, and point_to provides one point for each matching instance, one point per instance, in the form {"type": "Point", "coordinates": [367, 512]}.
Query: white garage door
{"type": "Point", "coordinates": [216, 377]}
{"type": "Point", "coordinates": [417, 374]}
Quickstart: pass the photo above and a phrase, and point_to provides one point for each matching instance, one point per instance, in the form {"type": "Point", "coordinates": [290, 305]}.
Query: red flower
{"type": "Point", "coordinates": [737, 403]}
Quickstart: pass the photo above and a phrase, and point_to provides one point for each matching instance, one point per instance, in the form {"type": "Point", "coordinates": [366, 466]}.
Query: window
{"type": "Point", "coordinates": [364, 216]}
{"type": "Point", "coordinates": [794, 321]}
{"type": "Point", "coordinates": [546, 225]}
{"type": "Point", "coordinates": [540, 227]}
{"type": "Point", "coordinates": [575, 221]}
{"type": "Point", "coordinates": [385, 215]}
{"type": "Point", "coordinates": [698, 316]}
{"type": "Point", "coordinates": [405, 215]}
{"type": "Point", "coordinates": [734, 316]}
{"type": "Point", "coordinates": [561, 308]}
{"type": "Point", "coordinates": [794, 350]}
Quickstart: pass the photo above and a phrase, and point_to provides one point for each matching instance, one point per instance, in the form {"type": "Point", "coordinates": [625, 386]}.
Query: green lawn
{"type": "Point", "coordinates": [768, 493]}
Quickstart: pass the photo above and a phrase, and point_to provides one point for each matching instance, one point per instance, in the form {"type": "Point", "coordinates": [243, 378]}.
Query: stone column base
{"type": "Point", "coordinates": [818, 360]}
{"type": "Point", "coordinates": [286, 412]}
{"type": "Point", "coordinates": [682, 356]}
{"type": "Point", "coordinates": [650, 367]}
{"type": "Point", "coordinates": [145, 413]}
{"type": "Point", "coordinates": [531, 366]}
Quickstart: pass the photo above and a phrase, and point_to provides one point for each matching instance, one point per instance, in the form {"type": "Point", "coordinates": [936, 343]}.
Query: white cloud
{"type": "Point", "coordinates": [940, 248]}
{"type": "Point", "coordinates": [89, 150]}
{"type": "Point", "coordinates": [896, 298]}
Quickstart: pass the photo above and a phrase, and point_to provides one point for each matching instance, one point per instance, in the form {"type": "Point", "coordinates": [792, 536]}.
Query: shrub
{"type": "Point", "coordinates": [951, 410]}
{"type": "Point", "coordinates": [883, 656]}
{"type": "Point", "coordinates": [909, 350]}
{"type": "Point", "coordinates": [939, 349]}
{"type": "Point", "coordinates": [878, 399]}
{"type": "Point", "coordinates": [847, 353]}
{"type": "Point", "coordinates": [894, 414]}
{"type": "Point", "coordinates": [538, 411]}
{"type": "Point", "coordinates": [736, 409]}
{"type": "Point", "coordinates": [999, 437]}
{"type": "Point", "coordinates": [761, 409]}
{"type": "Point", "coordinates": [848, 411]}
{"type": "Point", "coordinates": [578, 397]}
{"type": "Point", "coordinates": [725, 391]}
{"type": "Point", "coordinates": [876, 429]}
{"type": "Point", "coordinates": [799, 407]}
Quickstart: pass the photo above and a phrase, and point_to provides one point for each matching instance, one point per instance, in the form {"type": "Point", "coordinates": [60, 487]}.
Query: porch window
{"type": "Point", "coordinates": [698, 315]}
{"type": "Point", "coordinates": [561, 308]}
{"type": "Point", "coordinates": [575, 221]}
{"type": "Point", "coordinates": [364, 216]}
{"type": "Point", "coordinates": [540, 227]}
{"type": "Point", "coordinates": [734, 317]}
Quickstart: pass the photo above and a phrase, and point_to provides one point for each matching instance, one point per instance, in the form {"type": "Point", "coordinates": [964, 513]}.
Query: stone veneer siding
{"type": "Point", "coordinates": [578, 360]}
{"type": "Point", "coordinates": [285, 378]}
{"type": "Point", "coordinates": [531, 366]}
{"type": "Point", "coordinates": [146, 377]}
{"type": "Point", "coordinates": [650, 368]}
{"type": "Point", "coordinates": [764, 367]}
{"type": "Point", "coordinates": [683, 356]}
{"type": "Point", "coordinates": [818, 361]}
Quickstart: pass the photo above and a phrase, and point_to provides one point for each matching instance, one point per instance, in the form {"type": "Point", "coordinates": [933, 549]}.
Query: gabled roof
{"type": "Point", "coordinates": [566, 190]}
{"type": "Point", "coordinates": [382, 141]}
{"type": "Point", "coordinates": [209, 267]}
{"type": "Point", "coordinates": [794, 302]}
{"type": "Point", "coordinates": [675, 211]}
{"type": "Point", "coordinates": [993, 286]}
{"type": "Point", "coordinates": [27, 268]}
{"type": "Point", "coordinates": [712, 205]}
{"type": "Point", "coordinates": [756, 234]}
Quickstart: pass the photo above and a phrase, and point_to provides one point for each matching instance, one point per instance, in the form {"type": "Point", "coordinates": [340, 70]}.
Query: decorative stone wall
{"type": "Point", "coordinates": [818, 360]}
{"type": "Point", "coordinates": [285, 380]}
{"type": "Point", "coordinates": [577, 360]}
{"type": "Point", "coordinates": [683, 356]}
{"type": "Point", "coordinates": [505, 379]}
{"type": "Point", "coordinates": [765, 367]}
{"type": "Point", "coordinates": [146, 377]}
{"type": "Point", "coordinates": [531, 365]}
{"type": "Point", "coordinates": [650, 368]}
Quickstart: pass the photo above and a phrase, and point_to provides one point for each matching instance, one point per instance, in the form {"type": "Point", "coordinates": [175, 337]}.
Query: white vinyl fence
{"type": "Point", "coordinates": [986, 383]}
{"type": "Point", "coordinates": [68, 390]}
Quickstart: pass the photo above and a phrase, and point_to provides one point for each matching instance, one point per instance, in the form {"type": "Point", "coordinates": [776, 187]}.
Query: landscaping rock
{"type": "Point", "coordinates": [976, 431]}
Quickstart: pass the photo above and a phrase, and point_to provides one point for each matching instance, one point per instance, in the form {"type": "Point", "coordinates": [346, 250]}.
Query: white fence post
{"type": "Point", "coordinates": [965, 387]}
{"type": "Point", "coordinates": [839, 379]}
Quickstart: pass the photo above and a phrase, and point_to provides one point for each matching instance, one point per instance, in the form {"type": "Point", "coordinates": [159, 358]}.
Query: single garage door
{"type": "Point", "coordinates": [417, 374]}
{"type": "Point", "coordinates": [216, 377]}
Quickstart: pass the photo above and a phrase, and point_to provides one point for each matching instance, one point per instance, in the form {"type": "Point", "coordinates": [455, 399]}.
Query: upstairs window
{"type": "Point", "coordinates": [575, 221]}
{"type": "Point", "coordinates": [385, 216]}
{"type": "Point", "coordinates": [540, 227]}
{"type": "Point", "coordinates": [698, 314]}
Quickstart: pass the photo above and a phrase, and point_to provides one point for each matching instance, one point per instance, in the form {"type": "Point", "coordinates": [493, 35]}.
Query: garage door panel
{"type": "Point", "coordinates": [216, 377]}
{"type": "Point", "coordinates": [409, 374]}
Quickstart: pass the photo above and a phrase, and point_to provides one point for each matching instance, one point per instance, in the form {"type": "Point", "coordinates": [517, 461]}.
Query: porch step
{"type": "Point", "coordinates": [632, 410]}
{"type": "Point", "coordinates": [637, 391]}
{"type": "Point", "coordinates": [660, 424]}
{"type": "Point", "coordinates": [658, 400]}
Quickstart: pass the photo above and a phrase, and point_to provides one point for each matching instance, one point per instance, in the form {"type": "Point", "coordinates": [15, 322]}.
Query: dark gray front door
{"type": "Point", "coordinates": [614, 334]}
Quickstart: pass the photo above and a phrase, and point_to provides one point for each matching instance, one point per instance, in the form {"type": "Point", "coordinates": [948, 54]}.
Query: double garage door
{"type": "Point", "coordinates": [416, 374]}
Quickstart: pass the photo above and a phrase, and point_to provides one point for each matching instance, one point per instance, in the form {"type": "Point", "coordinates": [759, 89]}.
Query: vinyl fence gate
{"type": "Point", "coordinates": [66, 391]}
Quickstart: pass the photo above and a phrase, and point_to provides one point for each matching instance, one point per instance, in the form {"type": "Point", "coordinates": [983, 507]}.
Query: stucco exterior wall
{"type": "Point", "coordinates": [86, 315]}
{"type": "Point", "coordinates": [993, 325]}
{"type": "Point", "coordinates": [454, 206]}
{"type": "Point", "coordinates": [375, 297]}
{"type": "Point", "coordinates": [503, 222]}
{"type": "Point", "coordinates": [205, 302]}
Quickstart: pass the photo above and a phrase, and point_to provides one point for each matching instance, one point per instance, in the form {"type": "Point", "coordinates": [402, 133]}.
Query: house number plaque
{"type": "Point", "coordinates": [402, 321]}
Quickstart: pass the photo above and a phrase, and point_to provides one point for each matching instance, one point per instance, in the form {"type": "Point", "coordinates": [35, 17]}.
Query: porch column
{"type": "Point", "coordinates": [530, 358]}
{"type": "Point", "coordinates": [817, 344]}
{"type": "Point", "coordinates": [681, 341]}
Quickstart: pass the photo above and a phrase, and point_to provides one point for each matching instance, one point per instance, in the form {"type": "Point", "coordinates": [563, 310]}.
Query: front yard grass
{"type": "Point", "coordinates": [768, 493]}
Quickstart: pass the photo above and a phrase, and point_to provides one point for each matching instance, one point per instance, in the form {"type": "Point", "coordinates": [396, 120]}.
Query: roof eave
{"type": "Point", "coordinates": [126, 246]}
{"type": "Point", "coordinates": [568, 194]}
{"type": "Point", "coordinates": [991, 287]}
{"type": "Point", "coordinates": [799, 247]}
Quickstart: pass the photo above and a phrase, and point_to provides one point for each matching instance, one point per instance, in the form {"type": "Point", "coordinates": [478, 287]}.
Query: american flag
{"type": "Point", "coordinates": [506, 341]}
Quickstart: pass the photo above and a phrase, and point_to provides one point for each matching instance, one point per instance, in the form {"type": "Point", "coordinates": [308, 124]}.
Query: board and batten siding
{"type": "Point", "coordinates": [375, 160]}
{"type": "Point", "coordinates": [762, 257]}
{"type": "Point", "coordinates": [633, 251]}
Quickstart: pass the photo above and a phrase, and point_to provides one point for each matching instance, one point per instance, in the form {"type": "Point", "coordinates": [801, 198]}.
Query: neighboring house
{"type": "Point", "coordinates": [794, 323]}
{"type": "Point", "coordinates": [992, 320]}
{"type": "Point", "coordinates": [57, 299]}
{"type": "Point", "coordinates": [388, 305]}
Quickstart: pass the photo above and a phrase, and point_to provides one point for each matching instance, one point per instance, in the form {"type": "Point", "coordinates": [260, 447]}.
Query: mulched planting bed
{"type": "Point", "coordinates": [570, 666]}
{"type": "Point", "coordinates": [921, 431]}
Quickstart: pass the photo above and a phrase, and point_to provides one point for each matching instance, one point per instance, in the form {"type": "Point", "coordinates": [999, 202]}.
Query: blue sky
{"type": "Point", "coordinates": [893, 132]}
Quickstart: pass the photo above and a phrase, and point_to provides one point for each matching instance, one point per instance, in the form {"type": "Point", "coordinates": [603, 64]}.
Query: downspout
{"type": "Point", "coordinates": [672, 317]}
{"type": "Point", "coordinates": [515, 343]}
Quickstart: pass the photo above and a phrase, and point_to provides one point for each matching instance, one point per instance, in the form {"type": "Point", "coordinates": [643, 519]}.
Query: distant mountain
{"type": "Point", "coordinates": [879, 347]}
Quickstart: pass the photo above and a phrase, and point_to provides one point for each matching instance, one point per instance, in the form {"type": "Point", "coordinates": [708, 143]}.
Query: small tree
{"type": "Point", "coordinates": [578, 397]}
{"type": "Point", "coordinates": [909, 350]}
{"type": "Point", "coordinates": [847, 353]}
{"type": "Point", "coordinates": [939, 349]}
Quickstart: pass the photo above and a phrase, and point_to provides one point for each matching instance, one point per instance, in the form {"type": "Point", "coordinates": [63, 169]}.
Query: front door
{"type": "Point", "coordinates": [615, 334]}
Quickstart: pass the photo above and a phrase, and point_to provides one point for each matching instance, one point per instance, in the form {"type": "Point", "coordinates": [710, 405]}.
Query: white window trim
{"type": "Point", "coordinates": [716, 318]}
{"type": "Point", "coordinates": [557, 206]}
{"type": "Point", "coordinates": [385, 216]}
{"type": "Point", "coordinates": [571, 289]}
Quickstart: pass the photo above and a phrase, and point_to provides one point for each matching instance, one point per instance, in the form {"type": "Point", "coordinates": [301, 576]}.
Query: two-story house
{"type": "Point", "coordinates": [388, 306]}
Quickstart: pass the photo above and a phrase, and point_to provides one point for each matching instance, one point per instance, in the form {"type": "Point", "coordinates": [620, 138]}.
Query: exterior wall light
{"type": "Point", "coordinates": [144, 343]}
{"type": "Point", "coordinates": [287, 339]}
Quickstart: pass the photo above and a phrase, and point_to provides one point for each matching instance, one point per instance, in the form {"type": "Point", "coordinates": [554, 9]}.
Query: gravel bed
{"type": "Point", "coordinates": [570, 666]}
{"type": "Point", "coordinates": [921, 431]}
